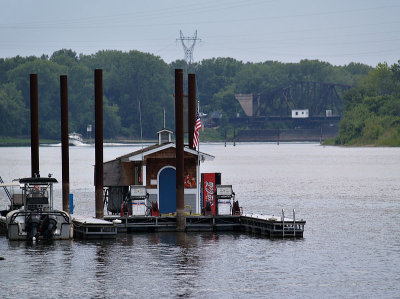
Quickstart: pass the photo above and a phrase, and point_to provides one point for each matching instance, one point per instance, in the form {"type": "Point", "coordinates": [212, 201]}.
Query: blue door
{"type": "Point", "coordinates": [167, 190]}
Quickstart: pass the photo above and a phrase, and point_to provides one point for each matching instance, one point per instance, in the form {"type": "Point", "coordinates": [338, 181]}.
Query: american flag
{"type": "Point", "coordinates": [197, 127]}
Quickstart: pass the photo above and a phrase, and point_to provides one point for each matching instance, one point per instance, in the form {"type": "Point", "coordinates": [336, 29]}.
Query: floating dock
{"type": "Point", "coordinates": [92, 228]}
{"type": "Point", "coordinates": [266, 225]}
{"type": "Point", "coordinates": [273, 226]}
{"type": "Point", "coordinates": [168, 223]}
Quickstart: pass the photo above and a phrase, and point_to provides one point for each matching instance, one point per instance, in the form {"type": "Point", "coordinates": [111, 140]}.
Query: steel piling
{"type": "Point", "coordinates": [34, 124]}
{"type": "Point", "coordinates": [179, 135]}
{"type": "Point", "coordinates": [98, 94]}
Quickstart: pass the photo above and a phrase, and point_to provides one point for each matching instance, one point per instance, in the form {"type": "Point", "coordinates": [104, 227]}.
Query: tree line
{"type": "Point", "coordinates": [139, 85]}
{"type": "Point", "coordinates": [128, 79]}
{"type": "Point", "coordinates": [372, 109]}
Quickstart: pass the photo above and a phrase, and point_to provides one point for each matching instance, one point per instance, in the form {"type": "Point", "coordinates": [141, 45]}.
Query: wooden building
{"type": "Point", "coordinates": [155, 168]}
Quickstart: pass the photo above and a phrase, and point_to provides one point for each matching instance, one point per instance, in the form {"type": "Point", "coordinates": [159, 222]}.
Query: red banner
{"type": "Point", "coordinates": [208, 191]}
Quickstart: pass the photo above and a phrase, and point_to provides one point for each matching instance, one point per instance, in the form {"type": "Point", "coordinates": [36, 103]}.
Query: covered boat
{"type": "Point", "coordinates": [75, 139]}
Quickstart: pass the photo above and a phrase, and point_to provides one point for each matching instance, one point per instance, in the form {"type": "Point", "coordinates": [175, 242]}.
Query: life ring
{"type": "Point", "coordinates": [189, 181]}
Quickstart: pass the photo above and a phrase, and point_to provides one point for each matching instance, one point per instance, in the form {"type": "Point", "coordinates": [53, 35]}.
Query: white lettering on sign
{"type": "Point", "coordinates": [210, 192]}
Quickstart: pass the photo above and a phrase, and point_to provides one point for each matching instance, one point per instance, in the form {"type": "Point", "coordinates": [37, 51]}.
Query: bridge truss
{"type": "Point", "coordinates": [317, 97]}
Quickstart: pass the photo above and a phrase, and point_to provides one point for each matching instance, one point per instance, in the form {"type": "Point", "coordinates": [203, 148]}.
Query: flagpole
{"type": "Point", "coordinates": [198, 162]}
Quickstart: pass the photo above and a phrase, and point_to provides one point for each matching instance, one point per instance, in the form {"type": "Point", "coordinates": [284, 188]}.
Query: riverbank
{"type": "Point", "coordinates": [10, 141]}
{"type": "Point", "coordinates": [328, 137]}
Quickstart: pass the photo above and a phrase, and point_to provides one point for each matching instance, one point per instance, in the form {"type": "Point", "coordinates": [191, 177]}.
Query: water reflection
{"type": "Point", "coordinates": [187, 263]}
{"type": "Point", "coordinates": [101, 262]}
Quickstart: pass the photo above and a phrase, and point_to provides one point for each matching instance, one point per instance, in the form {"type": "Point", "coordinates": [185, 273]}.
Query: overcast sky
{"type": "Point", "coordinates": [337, 31]}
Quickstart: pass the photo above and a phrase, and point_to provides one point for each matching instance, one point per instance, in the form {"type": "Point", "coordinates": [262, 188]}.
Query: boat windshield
{"type": "Point", "coordinates": [37, 191]}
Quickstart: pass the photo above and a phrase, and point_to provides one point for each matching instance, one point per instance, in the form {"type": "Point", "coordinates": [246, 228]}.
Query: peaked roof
{"type": "Point", "coordinates": [139, 154]}
{"type": "Point", "coordinates": [165, 130]}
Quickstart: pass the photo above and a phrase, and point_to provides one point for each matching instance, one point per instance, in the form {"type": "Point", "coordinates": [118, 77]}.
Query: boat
{"type": "Point", "coordinates": [14, 198]}
{"type": "Point", "coordinates": [36, 218]}
{"type": "Point", "coordinates": [75, 139]}
{"type": "Point", "coordinates": [15, 202]}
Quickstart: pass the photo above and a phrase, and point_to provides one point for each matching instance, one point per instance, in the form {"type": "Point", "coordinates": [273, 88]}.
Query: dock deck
{"type": "Point", "coordinates": [267, 225]}
{"type": "Point", "coordinates": [168, 223]}
{"type": "Point", "coordinates": [87, 227]}
{"type": "Point", "coordinates": [272, 226]}
{"type": "Point", "coordinates": [92, 228]}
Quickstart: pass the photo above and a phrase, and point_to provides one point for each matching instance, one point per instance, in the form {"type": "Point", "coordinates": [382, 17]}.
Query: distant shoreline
{"type": "Point", "coordinates": [23, 142]}
{"type": "Point", "coordinates": [26, 142]}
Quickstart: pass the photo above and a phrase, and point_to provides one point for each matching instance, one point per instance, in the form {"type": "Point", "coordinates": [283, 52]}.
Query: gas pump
{"type": "Point", "coordinates": [138, 197]}
{"type": "Point", "coordinates": [224, 198]}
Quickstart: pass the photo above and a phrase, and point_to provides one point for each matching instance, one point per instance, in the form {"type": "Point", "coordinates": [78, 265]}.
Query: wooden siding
{"type": "Point", "coordinates": [156, 161]}
{"type": "Point", "coordinates": [119, 173]}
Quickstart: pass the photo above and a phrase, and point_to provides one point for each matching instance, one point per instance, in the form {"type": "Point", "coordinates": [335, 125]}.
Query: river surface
{"type": "Point", "coordinates": [350, 198]}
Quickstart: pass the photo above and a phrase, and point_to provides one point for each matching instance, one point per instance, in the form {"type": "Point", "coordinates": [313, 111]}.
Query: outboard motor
{"type": "Point", "coordinates": [49, 225]}
{"type": "Point", "coordinates": [32, 226]}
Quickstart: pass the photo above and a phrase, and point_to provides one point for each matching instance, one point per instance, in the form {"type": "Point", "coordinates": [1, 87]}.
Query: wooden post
{"type": "Point", "coordinates": [34, 125]}
{"type": "Point", "coordinates": [180, 204]}
{"type": "Point", "coordinates": [294, 222]}
{"type": "Point", "coordinates": [320, 137]}
{"type": "Point", "coordinates": [225, 137]}
{"type": "Point", "coordinates": [64, 142]}
{"type": "Point", "coordinates": [98, 95]}
{"type": "Point", "coordinates": [278, 135]}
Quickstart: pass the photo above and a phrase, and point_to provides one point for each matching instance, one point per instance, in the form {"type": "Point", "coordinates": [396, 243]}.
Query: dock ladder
{"type": "Point", "coordinates": [289, 230]}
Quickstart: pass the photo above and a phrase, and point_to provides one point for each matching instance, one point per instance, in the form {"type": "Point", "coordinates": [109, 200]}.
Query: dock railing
{"type": "Point", "coordinates": [289, 228]}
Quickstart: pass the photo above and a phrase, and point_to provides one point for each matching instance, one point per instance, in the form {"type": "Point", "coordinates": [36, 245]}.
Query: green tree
{"type": "Point", "coordinates": [372, 111]}
{"type": "Point", "coordinates": [134, 79]}
{"type": "Point", "coordinates": [13, 112]}
{"type": "Point", "coordinates": [213, 76]}
{"type": "Point", "coordinates": [48, 89]}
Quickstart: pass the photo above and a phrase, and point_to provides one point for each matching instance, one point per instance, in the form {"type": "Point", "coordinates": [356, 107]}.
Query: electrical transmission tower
{"type": "Point", "coordinates": [188, 43]}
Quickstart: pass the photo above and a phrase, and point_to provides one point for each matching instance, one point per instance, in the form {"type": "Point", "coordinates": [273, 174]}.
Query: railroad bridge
{"type": "Point", "coordinates": [321, 99]}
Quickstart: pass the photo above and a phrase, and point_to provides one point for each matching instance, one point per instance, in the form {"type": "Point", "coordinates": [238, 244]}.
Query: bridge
{"type": "Point", "coordinates": [321, 100]}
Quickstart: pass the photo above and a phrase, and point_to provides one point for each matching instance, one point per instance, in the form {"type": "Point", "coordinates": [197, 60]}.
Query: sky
{"type": "Point", "coordinates": [335, 31]}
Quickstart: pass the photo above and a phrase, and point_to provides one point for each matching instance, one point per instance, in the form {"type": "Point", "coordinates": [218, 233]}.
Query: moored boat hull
{"type": "Point", "coordinates": [59, 228]}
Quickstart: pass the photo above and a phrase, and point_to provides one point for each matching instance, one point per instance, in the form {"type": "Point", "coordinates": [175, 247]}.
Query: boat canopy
{"type": "Point", "coordinates": [11, 184]}
{"type": "Point", "coordinates": [40, 180]}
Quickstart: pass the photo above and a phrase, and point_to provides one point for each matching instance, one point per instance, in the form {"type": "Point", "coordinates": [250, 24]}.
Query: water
{"type": "Point", "coordinates": [351, 245]}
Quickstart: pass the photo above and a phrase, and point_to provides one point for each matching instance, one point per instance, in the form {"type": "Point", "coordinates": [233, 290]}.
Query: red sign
{"type": "Point", "coordinates": [208, 191]}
